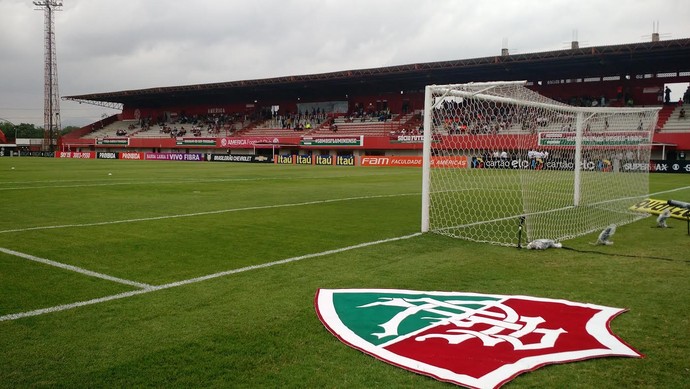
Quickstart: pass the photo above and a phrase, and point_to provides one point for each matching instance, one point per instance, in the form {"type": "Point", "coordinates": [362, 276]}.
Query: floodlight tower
{"type": "Point", "coordinates": [51, 97]}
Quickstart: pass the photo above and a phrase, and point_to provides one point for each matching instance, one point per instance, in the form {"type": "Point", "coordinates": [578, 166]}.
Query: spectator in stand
{"type": "Point", "coordinates": [667, 93]}
{"type": "Point", "coordinates": [681, 114]}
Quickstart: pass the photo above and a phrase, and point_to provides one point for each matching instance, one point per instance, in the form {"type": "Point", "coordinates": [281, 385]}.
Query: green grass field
{"type": "Point", "coordinates": [248, 325]}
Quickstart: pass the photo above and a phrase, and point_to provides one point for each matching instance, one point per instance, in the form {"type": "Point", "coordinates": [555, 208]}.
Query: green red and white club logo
{"type": "Point", "coordinates": [469, 339]}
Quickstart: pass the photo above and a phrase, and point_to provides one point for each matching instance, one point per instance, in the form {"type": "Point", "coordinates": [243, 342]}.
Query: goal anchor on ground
{"type": "Point", "coordinates": [521, 222]}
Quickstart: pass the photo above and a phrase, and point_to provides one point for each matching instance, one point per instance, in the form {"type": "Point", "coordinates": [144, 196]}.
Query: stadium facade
{"type": "Point", "coordinates": [374, 112]}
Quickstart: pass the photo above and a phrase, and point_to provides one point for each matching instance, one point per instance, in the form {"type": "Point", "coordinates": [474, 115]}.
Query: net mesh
{"type": "Point", "coordinates": [521, 150]}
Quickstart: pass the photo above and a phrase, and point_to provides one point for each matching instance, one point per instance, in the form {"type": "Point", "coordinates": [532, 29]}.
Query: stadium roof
{"type": "Point", "coordinates": [670, 56]}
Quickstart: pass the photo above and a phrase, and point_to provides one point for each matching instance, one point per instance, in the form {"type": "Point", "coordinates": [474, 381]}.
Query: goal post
{"type": "Point", "coordinates": [534, 165]}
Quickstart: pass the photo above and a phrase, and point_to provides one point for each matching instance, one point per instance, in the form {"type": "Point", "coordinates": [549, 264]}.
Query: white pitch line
{"type": "Point", "coordinates": [283, 261]}
{"type": "Point", "coordinates": [254, 208]}
{"type": "Point", "coordinates": [670, 191]}
{"type": "Point", "coordinates": [64, 307]}
{"type": "Point", "coordinates": [57, 308]}
{"type": "Point", "coordinates": [75, 269]}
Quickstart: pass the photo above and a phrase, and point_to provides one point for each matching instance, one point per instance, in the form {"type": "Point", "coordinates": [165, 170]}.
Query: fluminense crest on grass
{"type": "Point", "coordinates": [469, 339]}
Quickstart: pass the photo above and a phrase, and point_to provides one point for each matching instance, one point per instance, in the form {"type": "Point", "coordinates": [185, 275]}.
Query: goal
{"type": "Point", "coordinates": [533, 168]}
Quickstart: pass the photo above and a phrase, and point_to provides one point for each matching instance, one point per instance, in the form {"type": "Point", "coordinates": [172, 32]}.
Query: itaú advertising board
{"type": "Point", "coordinates": [437, 162]}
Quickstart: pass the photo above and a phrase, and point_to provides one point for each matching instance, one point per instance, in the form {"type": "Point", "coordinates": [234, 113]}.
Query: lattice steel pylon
{"type": "Point", "coordinates": [51, 96]}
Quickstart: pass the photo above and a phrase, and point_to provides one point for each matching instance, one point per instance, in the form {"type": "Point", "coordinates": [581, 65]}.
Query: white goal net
{"type": "Point", "coordinates": [533, 168]}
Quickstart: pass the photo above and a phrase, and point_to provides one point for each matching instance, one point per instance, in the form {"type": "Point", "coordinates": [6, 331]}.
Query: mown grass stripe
{"type": "Point", "coordinates": [220, 211]}
{"type": "Point", "coordinates": [64, 307]}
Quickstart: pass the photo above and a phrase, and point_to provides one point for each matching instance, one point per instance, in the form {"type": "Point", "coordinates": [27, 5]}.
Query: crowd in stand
{"type": "Point", "coordinates": [212, 124]}
{"type": "Point", "coordinates": [588, 101]}
{"type": "Point", "coordinates": [463, 118]}
{"type": "Point", "coordinates": [370, 113]}
{"type": "Point", "coordinates": [414, 128]}
{"type": "Point", "coordinates": [176, 125]}
{"type": "Point", "coordinates": [474, 119]}
{"type": "Point", "coordinates": [309, 119]}
{"type": "Point", "coordinates": [300, 120]}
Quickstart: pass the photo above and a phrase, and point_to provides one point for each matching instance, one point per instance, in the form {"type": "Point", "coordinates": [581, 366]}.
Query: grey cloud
{"type": "Point", "coordinates": [108, 46]}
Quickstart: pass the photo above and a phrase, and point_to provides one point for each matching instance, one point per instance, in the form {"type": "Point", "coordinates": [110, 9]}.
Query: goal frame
{"type": "Point", "coordinates": [452, 90]}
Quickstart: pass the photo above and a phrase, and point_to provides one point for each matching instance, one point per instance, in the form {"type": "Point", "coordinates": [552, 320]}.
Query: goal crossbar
{"type": "Point", "coordinates": [563, 167]}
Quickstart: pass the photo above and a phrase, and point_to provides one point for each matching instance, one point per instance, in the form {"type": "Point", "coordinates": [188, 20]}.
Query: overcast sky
{"type": "Point", "coordinates": [105, 46]}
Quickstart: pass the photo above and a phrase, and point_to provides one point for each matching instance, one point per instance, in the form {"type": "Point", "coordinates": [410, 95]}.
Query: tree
{"type": "Point", "coordinates": [7, 128]}
{"type": "Point", "coordinates": [26, 130]}
{"type": "Point", "coordinates": [23, 130]}
{"type": "Point", "coordinates": [68, 129]}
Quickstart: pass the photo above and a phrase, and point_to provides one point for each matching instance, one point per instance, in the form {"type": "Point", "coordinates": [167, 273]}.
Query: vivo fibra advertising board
{"type": "Point", "coordinates": [198, 157]}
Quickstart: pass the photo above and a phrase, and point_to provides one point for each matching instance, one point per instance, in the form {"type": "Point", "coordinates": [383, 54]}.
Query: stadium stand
{"type": "Point", "coordinates": [674, 118]}
{"type": "Point", "coordinates": [271, 127]}
{"type": "Point", "coordinates": [369, 125]}
{"type": "Point", "coordinates": [210, 126]}
{"type": "Point", "coordinates": [343, 125]}
{"type": "Point", "coordinates": [116, 129]}
{"type": "Point", "coordinates": [664, 115]}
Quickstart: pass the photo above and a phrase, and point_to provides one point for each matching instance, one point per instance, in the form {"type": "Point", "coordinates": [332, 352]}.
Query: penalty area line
{"type": "Point", "coordinates": [75, 269]}
{"type": "Point", "coordinates": [64, 307]}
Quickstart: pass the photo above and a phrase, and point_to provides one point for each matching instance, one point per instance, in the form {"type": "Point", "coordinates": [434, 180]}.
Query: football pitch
{"type": "Point", "coordinates": [183, 274]}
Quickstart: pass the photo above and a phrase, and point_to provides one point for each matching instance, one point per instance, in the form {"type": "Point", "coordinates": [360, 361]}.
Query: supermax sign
{"type": "Point", "coordinates": [536, 164]}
